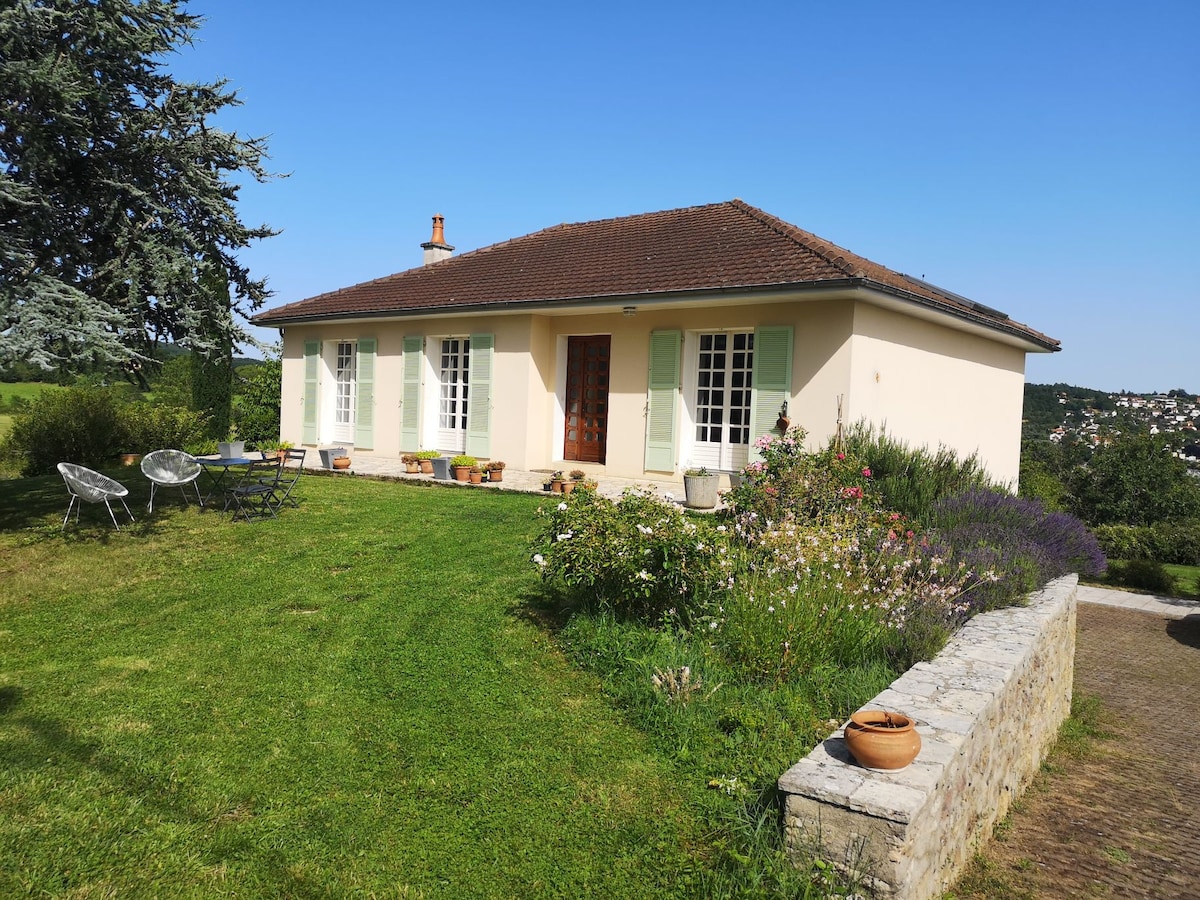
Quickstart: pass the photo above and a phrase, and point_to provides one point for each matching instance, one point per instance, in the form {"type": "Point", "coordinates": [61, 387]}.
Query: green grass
{"type": "Point", "coordinates": [355, 699]}
{"type": "Point", "coordinates": [1187, 580]}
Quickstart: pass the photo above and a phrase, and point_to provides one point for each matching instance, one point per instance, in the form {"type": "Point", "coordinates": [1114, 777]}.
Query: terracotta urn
{"type": "Point", "coordinates": [568, 486]}
{"type": "Point", "coordinates": [341, 462]}
{"type": "Point", "coordinates": [556, 485]}
{"type": "Point", "coordinates": [882, 740]}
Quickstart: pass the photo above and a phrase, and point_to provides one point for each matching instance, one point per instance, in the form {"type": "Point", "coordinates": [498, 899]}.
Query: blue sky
{"type": "Point", "coordinates": [1038, 157]}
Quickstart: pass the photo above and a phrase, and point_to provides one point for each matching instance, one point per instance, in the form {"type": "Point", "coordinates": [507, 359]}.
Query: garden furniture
{"type": "Point", "coordinates": [90, 486]}
{"type": "Point", "coordinates": [254, 496]}
{"type": "Point", "coordinates": [171, 468]}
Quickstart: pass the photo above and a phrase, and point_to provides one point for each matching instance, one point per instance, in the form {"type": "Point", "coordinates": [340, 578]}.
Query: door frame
{"type": "Point", "coordinates": [593, 338]}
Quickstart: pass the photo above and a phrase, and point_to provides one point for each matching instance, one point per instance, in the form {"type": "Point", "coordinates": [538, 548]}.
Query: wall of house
{"type": "Point", "coordinates": [930, 384]}
{"type": "Point", "coordinates": [934, 386]}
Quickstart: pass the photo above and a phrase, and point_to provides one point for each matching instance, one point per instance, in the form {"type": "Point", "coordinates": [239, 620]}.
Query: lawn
{"type": "Point", "coordinates": [355, 699]}
{"type": "Point", "coordinates": [19, 392]}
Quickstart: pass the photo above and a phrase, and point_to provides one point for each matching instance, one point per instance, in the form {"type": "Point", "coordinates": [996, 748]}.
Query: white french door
{"type": "Point", "coordinates": [724, 367]}
{"type": "Point", "coordinates": [345, 400]}
{"type": "Point", "coordinates": [454, 379]}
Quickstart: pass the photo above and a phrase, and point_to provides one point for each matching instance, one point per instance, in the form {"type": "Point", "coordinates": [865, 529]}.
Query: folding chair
{"type": "Point", "coordinates": [289, 475]}
{"type": "Point", "coordinates": [89, 486]}
{"type": "Point", "coordinates": [253, 496]}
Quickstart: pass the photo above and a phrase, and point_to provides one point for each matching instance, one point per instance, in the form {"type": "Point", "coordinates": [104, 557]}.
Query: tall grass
{"type": "Point", "coordinates": [910, 480]}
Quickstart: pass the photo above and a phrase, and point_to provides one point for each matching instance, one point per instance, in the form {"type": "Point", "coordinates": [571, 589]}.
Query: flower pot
{"type": "Point", "coordinates": [231, 449]}
{"type": "Point", "coordinates": [495, 474]}
{"type": "Point", "coordinates": [329, 454]}
{"type": "Point", "coordinates": [462, 473]}
{"type": "Point", "coordinates": [476, 477]}
{"type": "Point", "coordinates": [568, 486]}
{"type": "Point", "coordinates": [556, 485]}
{"type": "Point", "coordinates": [341, 462]}
{"type": "Point", "coordinates": [700, 491]}
{"type": "Point", "coordinates": [882, 740]}
{"type": "Point", "coordinates": [414, 468]}
{"type": "Point", "coordinates": [426, 466]}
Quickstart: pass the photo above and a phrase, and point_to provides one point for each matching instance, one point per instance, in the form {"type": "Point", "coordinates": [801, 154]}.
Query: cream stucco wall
{"type": "Point", "coordinates": [931, 385]}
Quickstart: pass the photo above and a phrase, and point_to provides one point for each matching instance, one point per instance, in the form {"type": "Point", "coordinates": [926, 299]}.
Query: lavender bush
{"type": "Point", "coordinates": [1012, 546]}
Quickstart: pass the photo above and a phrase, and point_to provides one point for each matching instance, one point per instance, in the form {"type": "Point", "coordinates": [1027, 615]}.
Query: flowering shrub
{"type": "Point", "coordinates": [808, 572]}
{"type": "Point", "coordinates": [639, 555]}
{"type": "Point", "coordinates": [787, 480]}
{"type": "Point", "coordinates": [1016, 540]}
{"type": "Point", "coordinates": [822, 595]}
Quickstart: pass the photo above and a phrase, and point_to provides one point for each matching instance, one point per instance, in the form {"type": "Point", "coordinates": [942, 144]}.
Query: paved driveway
{"type": "Point", "coordinates": [1125, 820]}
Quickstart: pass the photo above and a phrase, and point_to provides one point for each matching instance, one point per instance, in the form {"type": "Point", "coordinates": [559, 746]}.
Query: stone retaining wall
{"type": "Point", "coordinates": [988, 707]}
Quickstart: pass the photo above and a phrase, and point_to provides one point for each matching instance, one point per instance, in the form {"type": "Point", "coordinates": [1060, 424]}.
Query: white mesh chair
{"type": "Point", "coordinates": [171, 468]}
{"type": "Point", "coordinates": [92, 487]}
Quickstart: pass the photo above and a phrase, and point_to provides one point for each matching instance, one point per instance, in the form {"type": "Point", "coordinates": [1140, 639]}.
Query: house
{"type": "Point", "coordinates": [643, 345]}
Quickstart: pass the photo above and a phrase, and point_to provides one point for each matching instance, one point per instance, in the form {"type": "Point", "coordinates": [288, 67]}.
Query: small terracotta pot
{"type": "Point", "coordinates": [414, 468]}
{"type": "Point", "coordinates": [495, 474]}
{"type": "Point", "coordinates": [568, 486]}
{"type": "Point", "coordinates": [882, 740]}
{"type": "Point", "coordinates": [476, 478]}
{"type": "Point", "coordinates": [556, 485]}
{"type": "Point", "coordinates": [341, 462]}
{"type": "Point", "coordinates": [462, 473]}
{"type": "Point", "coordinates": [426, 466]}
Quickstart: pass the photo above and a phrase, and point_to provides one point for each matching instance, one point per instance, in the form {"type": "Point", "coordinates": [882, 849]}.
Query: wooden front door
{"type": "Point", "coordinates": [586, 428]}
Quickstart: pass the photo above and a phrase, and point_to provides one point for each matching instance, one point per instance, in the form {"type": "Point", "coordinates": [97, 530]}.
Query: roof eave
{"type": "Point", "coordinates": [1031, 340]}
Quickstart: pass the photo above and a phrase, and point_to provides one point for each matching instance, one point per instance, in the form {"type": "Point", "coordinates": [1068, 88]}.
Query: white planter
{"type": "Point", "coordinates": [700, 491]}
{"type": "Point", "coordinates": [231, 449]}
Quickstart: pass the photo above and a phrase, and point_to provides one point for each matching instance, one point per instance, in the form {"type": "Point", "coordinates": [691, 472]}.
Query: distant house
{"type": "Point", "coordinates": [642, 345]}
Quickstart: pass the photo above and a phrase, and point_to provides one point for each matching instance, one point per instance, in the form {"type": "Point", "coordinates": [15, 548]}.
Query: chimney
{"type": "Point", "coordinates": [436, 249]}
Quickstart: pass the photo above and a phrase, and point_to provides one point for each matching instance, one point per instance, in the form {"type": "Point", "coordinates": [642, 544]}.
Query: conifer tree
{"type": "Point", "coordinates": [117, 193]}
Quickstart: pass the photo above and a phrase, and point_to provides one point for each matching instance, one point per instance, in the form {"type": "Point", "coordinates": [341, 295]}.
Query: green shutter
{"type": "Point", "coordinates": [364, 375]}
{"type": "Point", "coordinates": [663, 394]}
{"type": "Point", "coordinates": [410, 397]}
{"type": "Point", "coordinates": [772, 378]}
{"type": "Point", "coordinates": [312, 360]}
{"type": "Point", "coordinates": [479, 400]}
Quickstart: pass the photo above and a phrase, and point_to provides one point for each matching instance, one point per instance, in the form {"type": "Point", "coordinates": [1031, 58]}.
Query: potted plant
{"type": "Point", "coordinates": [231, 448]}
{"type": "Point", "coordinates": [700, 488]}
{"type": "Point", "coordinates": [425, 460]}
{"type": "Point", "coordinates": [461, 465]}
{"type": "Point", "coordinates": [475, 474]}
{"type": "Point", "coordinates": [556, 482]}
{"type": "Point", "coordinates": [411, 464]}
{"type": "Point", "coordinates": [341, 462]}
{"type": "Point", "coordinates": [277, 449]}
{"type": "Point", "coordinates": [495, 470]}
{"type": "Point", "coordinates": [882, 740]}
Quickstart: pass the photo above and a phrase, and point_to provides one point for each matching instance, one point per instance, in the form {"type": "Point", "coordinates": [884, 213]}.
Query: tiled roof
{"type": "Point", "coordinates": [719, 247]}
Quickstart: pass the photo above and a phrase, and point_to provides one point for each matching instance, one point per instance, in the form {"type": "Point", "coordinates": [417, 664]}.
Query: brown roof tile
{"type": "Point", "coordinates": [718, 247]}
